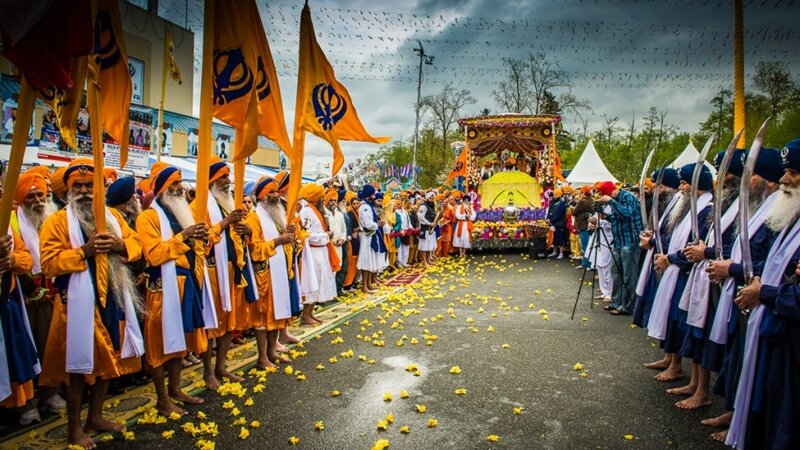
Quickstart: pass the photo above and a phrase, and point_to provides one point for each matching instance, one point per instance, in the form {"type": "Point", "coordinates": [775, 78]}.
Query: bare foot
{"type": "Point", "coordinates": [720, 436]}
{"type": "Point", "coordinates": [658, 365]}
{"type": "Point", "coordinates": [310, 322]}
{"type": "Point", "coordinates": [185, 398]}
{"type": "Point", "coordinates": [263, 365]}
{"type": "Point", "coordinates": [722, 420]}
{"type": "Point", "coordinates": [277, 359]}
{"type": "Point", "coordinates": [103, 426]}
{"type": "Point", "coordinates": [669, 375]}
{"type": "Point", "coordinates": [79, 437]}
{"type": "Point", "coordinates": [280, 348]}
{"type": "Point", "coordinates": [288, 339]}
{"type": "Point", "coordinates": [685, 390]}
{"type": "Point", "coordinates": [212, 383]}
{"type": "Point", "coordinates": [694, 402]}
{"type": "Point", "coordinates": [230, 376]}
{"type": "Point", "coordinates": [166, 408]}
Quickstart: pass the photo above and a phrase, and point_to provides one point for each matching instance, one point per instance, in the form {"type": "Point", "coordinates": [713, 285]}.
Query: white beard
{"type": "Point", "coordinates": [785, 210]}
{"type": "Point", "coordinates": [277, 213]}
{"type": "Point", "coordinates": [224, 198]}
{"type": "Point", "coordinates": [35, 217]}
{"type": "Point", "coordinates": [179, 207]}
{"type": "Point", "coordinates": [678, 211]}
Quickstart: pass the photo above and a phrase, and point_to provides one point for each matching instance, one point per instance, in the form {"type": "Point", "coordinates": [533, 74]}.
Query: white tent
{"type": "Point", "coordinates": [589, 169]}
{"type": "Point", "coordinates": [689, 155]}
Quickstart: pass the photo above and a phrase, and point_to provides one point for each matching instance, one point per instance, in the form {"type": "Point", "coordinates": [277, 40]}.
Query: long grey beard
{"type": "Point", "coordinates": [179, 207]}
{"type": "Point", "coordinates": [277, 212]}
{"type": "Point", "coordinates": [758, 194]}
{"type": "Point", "coordinates": [663, 201]}
{"type": "Point", "coordinates": [35, 216]}
{"type": "Point", "coordinates": [729, 193]}
{"type": "Point", "coordinates": [224, 198]}
{"type": "Point", "coordinates": [785, 210]}
{"type": "Point", "coordinates": [678, 211]}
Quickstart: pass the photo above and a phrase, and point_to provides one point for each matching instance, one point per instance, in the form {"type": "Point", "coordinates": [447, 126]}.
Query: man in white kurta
{"type": "Point", "coordinates": [465, 214]}
{"type": "Point", "coordinates": [372, 250]}
{"type": "Point", "coordinates": [427, 234]}
{"type": "Point", "coordinates": [317, 276]}
{"type": "Point", "coordinates": [403, 226]}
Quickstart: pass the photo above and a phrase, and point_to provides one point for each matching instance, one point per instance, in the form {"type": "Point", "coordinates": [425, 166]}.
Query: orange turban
{"type": "Point", "coordinates": [265, 185]}
{"type": "Point", "coordinates": [110, 172]}
{"type": "Point", "coordinates": [331, 194]}
{"type": "Point", "coordinates": [312, 192]}
{"type": "Point", "coordinates": [218, 169]}
{"type": "Point", "coordinates": [79, 169]}
{"type": "Point", "coordinates": [162, 176]}
{"type": "Point", "coordinates": [349, 196]}
{"type": "Point", "coordinates": [41, 170]}
{"type": "Point", "coordinates": [557, 193]}
{"type": "Point", "coordinates": [586, 189]}
{"type": "Point", "coordinates": [569, 190]}
{"type": "Point", "coordinates": [282, 178]}
{"type": "Point", "coordinates": [144, 185]}
{"type": "Point", "coordinates": [27, 182]}
{"type": "Point", "coordinates": [648, 182]}
{"type": "Point", "coordinates": [457, 195]}
{"type": "Point", "coordinates": [57, 182]}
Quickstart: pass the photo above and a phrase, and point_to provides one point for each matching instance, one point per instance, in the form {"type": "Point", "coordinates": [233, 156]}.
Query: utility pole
{"type": "Point", "coordinates": [423, 59]}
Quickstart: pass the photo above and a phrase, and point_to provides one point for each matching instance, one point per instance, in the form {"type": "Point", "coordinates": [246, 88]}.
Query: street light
{"type": "Point", "coordinates": [423, 59]}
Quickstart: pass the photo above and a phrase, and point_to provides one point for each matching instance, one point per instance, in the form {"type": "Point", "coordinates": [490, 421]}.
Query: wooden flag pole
{"type": "Point", "coordinates": [206, 94]}
{"type": "Point", "coordinates": [99, 185]}
{"type": "Point", "coordinates": [738, 72]}
{"type": "Point", "coordinates": [238, 170]}
{"type": "Point", "coordinates": [161, 105]}
{"type": "Point", "coordinates": [18, 143]}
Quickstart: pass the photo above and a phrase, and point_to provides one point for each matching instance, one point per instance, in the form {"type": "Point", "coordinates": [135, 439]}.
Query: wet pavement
{"type": "Point", "coordinates": [504, 321]}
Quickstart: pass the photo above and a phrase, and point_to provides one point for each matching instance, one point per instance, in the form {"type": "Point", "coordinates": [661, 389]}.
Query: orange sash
{"type": "Point", "coordinates": [333, 259]}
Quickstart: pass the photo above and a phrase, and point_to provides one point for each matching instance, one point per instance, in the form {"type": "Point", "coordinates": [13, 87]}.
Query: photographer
{"type": "Point", "coordinates": [557, 216]}
{"type": "Point", "coordinates": [580, 214]}
{"type": "Point", "coordinates": [626, 224]}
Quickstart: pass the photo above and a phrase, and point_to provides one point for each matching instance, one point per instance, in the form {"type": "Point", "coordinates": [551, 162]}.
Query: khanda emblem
{"type": "Point", "coordinates": [329, 107]}
{"type": "Point", "coordinates": [105, 43]}
{"type": "Point", "coordinates": [232, 78]}
{"type": "Point", "coordinates": [262, 81]}
{"type": "Point", "coordinates": [785, 156]}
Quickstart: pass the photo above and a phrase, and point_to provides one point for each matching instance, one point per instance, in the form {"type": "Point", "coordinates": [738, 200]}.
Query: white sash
{"type": "Point", "coordinates": [220, 255]}
{"type": "Point", "coordinates": [81, 304]}
{"type": "Point", "coordinates": [308, 276]}
{"type": "Point", "coordinates": [644, 275]}
{"type": "Point", "coordinates": [695, 298]}
{"type": "Point", "coordinates": [659, 316]}
{"type": "Point", "coordinates": [719, 329]}
{"type": "Point", "coordinates": [171, 315]}
{"type": "Point", "coordinates": [278, 272]}
{"type": "Point", "coordinates": [779, 257]}
{"type": "Point", "coordinates": [30, 236]}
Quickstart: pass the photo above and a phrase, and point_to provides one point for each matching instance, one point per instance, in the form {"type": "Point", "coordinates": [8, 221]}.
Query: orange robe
{"type": "Point", "coordinates": [157, 252]}
{"type": "Point", "coordinates": [446, 241]}
{"type": "Point", "coordinates": [238, 318]}
{"type": "Point", "coordinates": [263, 311]}
{"type": "Point", "coordinates": [23, 263]}
{"type": "Point", "coordinates": [59, 258]}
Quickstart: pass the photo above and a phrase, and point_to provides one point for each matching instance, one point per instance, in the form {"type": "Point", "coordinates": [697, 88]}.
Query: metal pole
{"type": "Point", "coordinates": [421, 52]}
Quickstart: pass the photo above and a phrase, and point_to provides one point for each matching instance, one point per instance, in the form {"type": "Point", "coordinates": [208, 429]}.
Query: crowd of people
{"type": "Point", "coordinates": [156, 290]}
{"type": "Point", "coordinates": [697, 296]}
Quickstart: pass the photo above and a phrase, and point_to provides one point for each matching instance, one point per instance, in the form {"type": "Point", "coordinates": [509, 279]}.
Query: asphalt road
{"type": "Point", "coordinates": [488, 318]}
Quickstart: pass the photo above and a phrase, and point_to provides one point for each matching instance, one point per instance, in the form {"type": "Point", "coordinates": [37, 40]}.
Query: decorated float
{"type": "Point", "coordinates": [512, 164]}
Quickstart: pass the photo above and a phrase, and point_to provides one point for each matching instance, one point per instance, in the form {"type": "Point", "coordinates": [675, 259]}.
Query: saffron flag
{"type": "Point", "coordinates": [114, 79]}
{"type": "Point", "coordinates": [169, 59]}
{"type": "Point", "coordinates": [324, 107]}
{"type": "Point", "coordinates": [460, 168]}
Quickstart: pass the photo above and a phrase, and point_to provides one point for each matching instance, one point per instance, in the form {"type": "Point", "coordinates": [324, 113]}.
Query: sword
{"type": "Point", "coordinates": [698, 168]}
{"type": "Point", "coordinates": [656, 219]}
{"type": "Point", "coordinates": [718, 189]}
{"type": "Point", "coordinates": [744, 213]}
{"type": "Point", "coordinates": [642, 200]}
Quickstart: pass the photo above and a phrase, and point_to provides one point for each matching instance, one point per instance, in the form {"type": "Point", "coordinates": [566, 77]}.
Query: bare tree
{"type": "Point", "coordinates": [445, 107]}
{"type": "Point", "coordinates": [545, 77]}
{"type": "Point", "coordinates": [774, 79]}
{"type": "Point", "coordinates": [513, 94]}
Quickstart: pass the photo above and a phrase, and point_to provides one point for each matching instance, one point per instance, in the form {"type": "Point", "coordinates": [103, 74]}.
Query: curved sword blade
{"type": "Point", "coordinates": [698, 168]}
{"type": "Point", "coordinates": [642, 197]}
{"type": "Point", "coordinates": [718, 190]}
{"type": "Point", "coordinates": [656, 219]}
{"type": "Point", "coordinates": [744, 194]}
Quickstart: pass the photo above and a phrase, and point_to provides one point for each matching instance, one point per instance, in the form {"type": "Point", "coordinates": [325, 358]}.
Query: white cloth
{"type": "Point", "coordinates": [338, 227]}
{"type": "Point", "coordinates": [278, 267]}
{"type": "Point", "coordinates": [405, 225]}
{"type": "Point", "coordinates": [30, 236]}
{"type": "Point", "coordinates": [320, 267]}
{"type": "Point", "coordinates": [659, 316]}
{"type": "Point", "coordinates": [81, 304]}
{"type": "Point", "coordinates": [427, 239]}
{"type": "Point", "coordinates": [601, 244]}
{"type": "Point", "coordinates": [695, 297]}
{"type": "Point", "coordinates": [644, 274]}
{"type": "Point", "coordinates": [719, 329]}
{"type": "Point", "coordinates": [171, 315]}
{"type": "Point", "coordinates": [780, 254]}
{"type": "Point", "coordinates": [464, 214]}
{"type": "Point", "coordinates": [368, 259]}
{"type": "Point", "coordinates": [220, 255]}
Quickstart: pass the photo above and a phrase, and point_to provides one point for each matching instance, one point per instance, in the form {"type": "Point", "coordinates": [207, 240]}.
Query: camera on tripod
{"type": "Point", "coordinates": [598, 208]}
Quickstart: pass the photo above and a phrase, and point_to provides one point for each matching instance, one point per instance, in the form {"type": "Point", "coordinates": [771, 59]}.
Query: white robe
{"type": "Point", "coordinates": [427, 240]}
{"type": "Point", "coordinates": [405, 225]}
{"type": "Point", "coordinates": [316, 245]}
{"type": "Point", "coordinates": [462, 239]}
{"type": "Point", "coordinates": [368, 259]}
{"type": "Point", "coordinates": [338, 227]}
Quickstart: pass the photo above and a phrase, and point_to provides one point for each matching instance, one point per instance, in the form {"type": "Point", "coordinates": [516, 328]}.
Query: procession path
{"type": "Point", "coordinates": [484, 346]}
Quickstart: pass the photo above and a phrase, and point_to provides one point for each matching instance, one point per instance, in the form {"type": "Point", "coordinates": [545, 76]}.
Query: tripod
{"type": "Point", "coordinates": [599, 233]}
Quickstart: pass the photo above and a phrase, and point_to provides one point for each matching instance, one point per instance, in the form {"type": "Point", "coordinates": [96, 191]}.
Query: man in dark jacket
{"type": "Point", "coordinates": [557, 216]}
{"type": "Point", "coordinates": [580, 218]}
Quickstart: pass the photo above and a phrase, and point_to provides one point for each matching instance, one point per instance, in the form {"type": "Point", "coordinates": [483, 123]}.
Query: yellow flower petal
{"type": "Point", "coordinates": [628, 437]}
{"type": "Point", "coordinates": [490, 329]}
{"type": "Point", "coordinates": [405, 429]}
{"type": "Point", "coordinates": [255, 424]}
{"type": "Point", "coordinates": [235, 412]}
{"type": "Point", "coordinates": [387, 397]}
{"type": "Point", "coordinates": [174, 416]}
{"type": "Point", "coordinates": [506, 346]}
{"type": "Point", "coordinates": [584, 374]}
{"type": "Point", "coordinates": [421, 409]}
{"type": "Point", "coordinates": [288, 370]}
{"type": "Point", "coordinates": [319, 425]}
{"type": "Point", "coordinates": [461, 391]}
{"type": "Point", "coordinates": [382, 425]}
{"type": "Point", "coordinates": [381, 444]}
{"type": "Point", "coordinates": [404, 394]}
{"type": "Point", "coordinates": [168, 434]}
{"type": "Point", "coordinates": [577, 366]}
{"type": "Point", "coordinates": [320, 367]}
{"type": "Point", "coordinates": [432, 423]}
{"type": "Point", "coordinates": [128, 435]}
{"type": "Point", "coordinates": [201, 415]}
{"type": "Point", "coordinates": [390, 418]}
{"type": "Point", "coordinates": [249, 401]}
{"type": "Point", "coordinates": [455, 370]}
{"type": "Point", "coordinates": [294, 440]}
{"type": "Point", "coordinates": [493, 438]}
{"type": "Point", "coordinates": [228, 405]}
{"type": "Point", "coordinates": [244, 433]}
{"type": "Point", "coordinates": [301, 377]}
{"type": "Point", "coordinates": [335, 393]}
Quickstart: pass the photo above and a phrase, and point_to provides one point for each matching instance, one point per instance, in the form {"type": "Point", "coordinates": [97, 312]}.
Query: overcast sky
{"type": "Point", "coordinates": [622, 56]}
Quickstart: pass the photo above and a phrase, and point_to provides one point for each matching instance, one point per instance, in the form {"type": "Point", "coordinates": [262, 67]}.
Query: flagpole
{"type": "Point", "coordinates": [99, 184]}
{"type": "Point", "coordinates": [238, 169]}
{"type": "Point", "coordinates": [17, 154]}
{"type": "Point", "coordinates": [163, 94]}
{"type": "Point", "coordinates": [204, 138]}
{"type": "Point", "coordinates": [738, 72]}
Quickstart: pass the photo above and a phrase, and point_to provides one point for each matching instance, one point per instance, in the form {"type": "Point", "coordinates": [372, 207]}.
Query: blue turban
{"type": "Point", "coordinates": [249, 187]}
{"type": "Point", "coordinates": [706, 182]}
{"type": "Point", "coordinates": [379, 196]}
{"type": "Point", "coordinates": [790, 155]}
{"type": "Point", "coordinates": [671, 178]}
{"type": "Point", "coordinates": [120, 191]}
{"type": "Point", "coordinates": [366, 192]}
{"type": "Point", "coordinates": [736, 166]}
{"type": "Point", "coordinates": [340, 194]}
{"type": "Point", "coordinates": [769, 165]}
